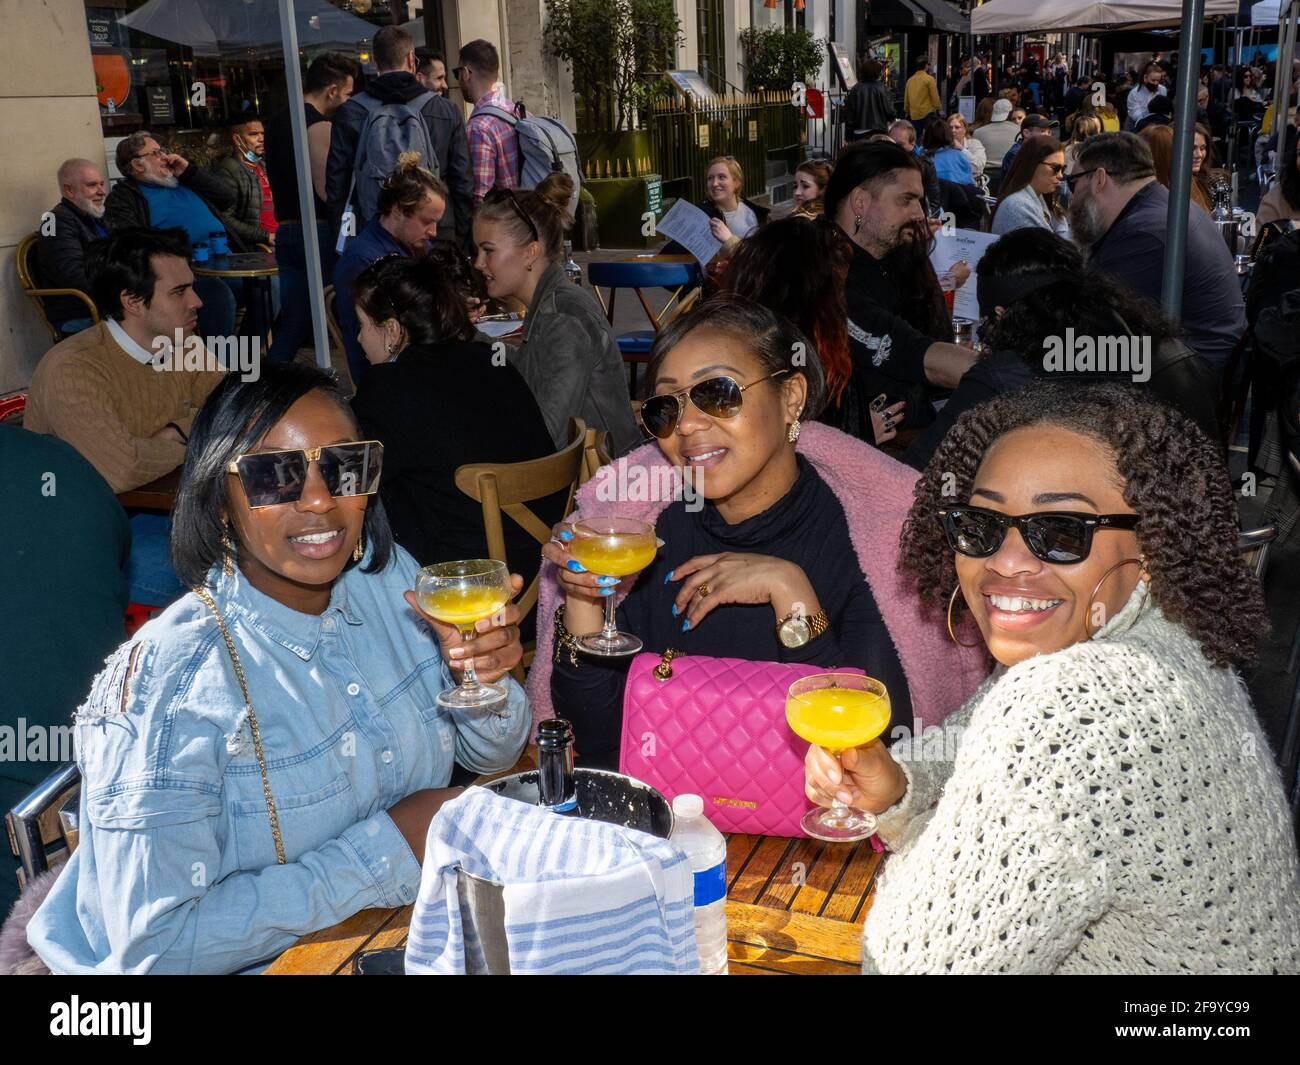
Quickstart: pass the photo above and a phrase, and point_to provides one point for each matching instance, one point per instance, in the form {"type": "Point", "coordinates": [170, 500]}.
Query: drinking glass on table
{"type": "Point", "coordinates": [462, 594]}
{"type": "Point", "coordinates": [612, 547]}
{"type": "Point", "coordinates": [838, 711]}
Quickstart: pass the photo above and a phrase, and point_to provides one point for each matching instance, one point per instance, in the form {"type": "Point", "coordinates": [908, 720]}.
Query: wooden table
{"type": "Point", "coordinates": [794, 907]}
{"type": "Point", "coordinates": [158, 494]}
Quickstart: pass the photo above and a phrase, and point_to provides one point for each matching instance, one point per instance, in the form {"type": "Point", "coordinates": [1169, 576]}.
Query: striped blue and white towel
{"type": "Point", "coordinates": [580, 896]}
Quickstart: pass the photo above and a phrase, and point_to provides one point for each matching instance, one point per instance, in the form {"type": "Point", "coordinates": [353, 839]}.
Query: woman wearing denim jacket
{"type": "Point", "coordinates": [186, 864]}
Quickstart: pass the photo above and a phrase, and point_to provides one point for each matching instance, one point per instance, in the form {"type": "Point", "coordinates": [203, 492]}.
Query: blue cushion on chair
{"type": "Point", "coordinates": [636, 341]}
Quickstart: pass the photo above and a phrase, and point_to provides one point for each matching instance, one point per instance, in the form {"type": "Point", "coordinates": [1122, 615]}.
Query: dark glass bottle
{"type": "Point", "coordinates": [555, 784]}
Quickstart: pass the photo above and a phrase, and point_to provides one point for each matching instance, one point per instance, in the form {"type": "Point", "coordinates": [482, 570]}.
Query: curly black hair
{"type": "Point", "coordinates": [1174, 478]}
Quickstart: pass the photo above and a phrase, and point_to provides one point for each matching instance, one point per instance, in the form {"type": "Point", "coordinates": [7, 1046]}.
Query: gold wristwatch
{"type": "Point", "coordinates": [797, 629]}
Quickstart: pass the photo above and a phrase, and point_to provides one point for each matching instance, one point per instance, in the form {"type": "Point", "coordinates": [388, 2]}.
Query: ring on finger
{"type": "Point", "coordinates": [702, 591]}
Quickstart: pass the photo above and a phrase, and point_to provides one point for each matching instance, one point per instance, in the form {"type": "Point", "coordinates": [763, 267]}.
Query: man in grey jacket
{"type": "Point", "coordinates": [394, 52]}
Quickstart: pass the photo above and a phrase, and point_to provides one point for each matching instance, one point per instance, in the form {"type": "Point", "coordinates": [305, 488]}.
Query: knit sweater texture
{"type": "Point", "coordinates": [88, 391]}
{"type": "Point", "coordinates": [1113, 807]}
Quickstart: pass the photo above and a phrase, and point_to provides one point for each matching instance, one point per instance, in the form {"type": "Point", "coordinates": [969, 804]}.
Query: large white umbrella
{"type": "Point", "coordinates": [1265, 13]}
{"type": "Point", "coordinates": [1031, 16]}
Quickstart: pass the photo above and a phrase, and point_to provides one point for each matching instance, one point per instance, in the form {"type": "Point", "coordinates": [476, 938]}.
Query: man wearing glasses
{"type": "Point", "coordinates": [493, 145]}
{"type": "Point", "coordinates": [1119, 212]}
{"type": "Point", "coordinates": [162, 190]}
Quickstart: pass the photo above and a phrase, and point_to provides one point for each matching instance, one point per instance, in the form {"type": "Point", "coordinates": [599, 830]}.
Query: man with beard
{"type": "Point", "coordinates": [61, 251]}
{"type": "Point", "coordinates": [161, 190]}
{"type": "Point", "coordinates": [875, 196]}
{"type": "Point", "coordinates": [1119, 212]}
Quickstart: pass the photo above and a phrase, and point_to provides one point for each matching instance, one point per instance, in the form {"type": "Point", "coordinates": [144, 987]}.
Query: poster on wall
{"type": "Point", "coordinates": [842, 65]}
{"type": "Point", "coordinates": [101, 26]}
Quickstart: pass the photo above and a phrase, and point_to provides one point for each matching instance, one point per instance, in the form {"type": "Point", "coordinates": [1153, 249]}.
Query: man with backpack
{"type": "Point", "coordinates": [493, 144]}
{"type": "Point", "coordinates": [508, 147]}
{"type": "Point", "coordinates": [395, 114]}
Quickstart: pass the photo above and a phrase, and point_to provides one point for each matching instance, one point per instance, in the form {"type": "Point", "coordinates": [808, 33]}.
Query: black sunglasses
{"type": "Point", "coordinates": [1070, 179]}
{"type": "Point", "coordinates": [274, 477]}
{"type": "Point", "coordinates": [498, 194]}
{"type": "Point", "coordinates": [718, 397]}
{"type": "Point", "coordinates": [1058, 537]}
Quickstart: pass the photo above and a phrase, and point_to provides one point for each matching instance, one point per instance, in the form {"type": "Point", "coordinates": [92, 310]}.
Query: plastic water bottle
{"type": "Point", "coordinates": [706, 848]}
{"type": "Point", "coordinates": [571, 268]}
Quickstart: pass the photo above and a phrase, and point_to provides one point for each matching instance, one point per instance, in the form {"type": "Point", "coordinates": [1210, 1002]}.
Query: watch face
{"type": "Point", "coordinates": [795, 632]}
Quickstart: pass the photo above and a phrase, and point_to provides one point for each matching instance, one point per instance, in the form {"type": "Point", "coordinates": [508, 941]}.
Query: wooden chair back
{"type": "Point", "coordinates": [595, 453]}
{"type": "Point", "coordinates": [506, 488]}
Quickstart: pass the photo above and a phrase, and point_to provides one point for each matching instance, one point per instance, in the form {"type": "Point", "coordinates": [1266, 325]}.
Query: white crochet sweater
{"type": "Point", "coordinates": [1110, 808]}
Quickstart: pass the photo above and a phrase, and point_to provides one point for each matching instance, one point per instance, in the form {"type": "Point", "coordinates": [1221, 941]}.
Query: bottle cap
{"type": "Point", "coordinates": [688, 807]}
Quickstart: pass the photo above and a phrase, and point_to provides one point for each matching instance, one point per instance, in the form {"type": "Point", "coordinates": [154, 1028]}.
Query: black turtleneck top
{"type": "Point", "coordinates": [807, 526]}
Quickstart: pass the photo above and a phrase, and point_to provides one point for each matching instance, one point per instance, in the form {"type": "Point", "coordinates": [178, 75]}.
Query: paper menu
{"type": "Point", "coordinates": [966, 245]}
{"type": "Point", "coordinates": [689, 226]}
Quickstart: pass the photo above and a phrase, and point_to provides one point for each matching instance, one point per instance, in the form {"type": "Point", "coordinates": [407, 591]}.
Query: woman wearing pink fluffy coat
{"type": "Point", "coordinates": [764, 516]}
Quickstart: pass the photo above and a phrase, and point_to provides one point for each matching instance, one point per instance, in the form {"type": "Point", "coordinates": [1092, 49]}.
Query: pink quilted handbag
{"type": "Point", "coordinates": [716, 727]}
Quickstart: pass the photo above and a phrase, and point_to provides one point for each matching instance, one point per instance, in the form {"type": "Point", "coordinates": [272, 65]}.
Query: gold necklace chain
{"type": "Point", "coordinates": [274, 817]}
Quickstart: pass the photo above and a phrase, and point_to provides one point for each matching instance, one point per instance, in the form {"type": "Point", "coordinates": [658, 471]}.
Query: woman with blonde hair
{"type": "Point", "coordinates": [1085, 125]}
{"type": "Point", "coordinates": [568, 356]}
{"type": "Point", "coordinates": [969, 146]}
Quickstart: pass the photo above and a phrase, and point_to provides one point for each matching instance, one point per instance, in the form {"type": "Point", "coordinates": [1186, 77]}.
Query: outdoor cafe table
{"type": "Point", "coordinates": [255, 268]}
{"type": "Point", "coordinates": [794, 907]}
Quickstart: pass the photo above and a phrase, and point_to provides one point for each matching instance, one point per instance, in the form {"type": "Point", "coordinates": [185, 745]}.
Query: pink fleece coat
{"type": "Point", "coordinates": [876, 494]}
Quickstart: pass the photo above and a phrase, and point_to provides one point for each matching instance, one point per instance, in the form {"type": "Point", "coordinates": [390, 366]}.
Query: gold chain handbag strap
{"type": "Point", "coordinates": [274, 817]}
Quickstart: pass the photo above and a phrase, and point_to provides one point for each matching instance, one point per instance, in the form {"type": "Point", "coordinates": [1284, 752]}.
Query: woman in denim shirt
{"type": "Point", "coordinates": [178, 869]}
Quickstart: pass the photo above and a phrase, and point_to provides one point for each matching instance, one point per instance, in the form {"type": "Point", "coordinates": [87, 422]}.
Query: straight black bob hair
{"type": "Point", "coordinates": [236, 415]}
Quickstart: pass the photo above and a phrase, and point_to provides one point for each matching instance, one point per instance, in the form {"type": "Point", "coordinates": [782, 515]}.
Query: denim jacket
{"type": "Point", "coordinates": [176, 868]}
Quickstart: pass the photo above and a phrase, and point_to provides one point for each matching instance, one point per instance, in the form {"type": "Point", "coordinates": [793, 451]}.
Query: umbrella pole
{"type": "Point", "coordinates": [1180, 175]}
{"type": "Point", "coordinates": [306, 193]}
{"type": "Point", "coordinates": [1288, 14]}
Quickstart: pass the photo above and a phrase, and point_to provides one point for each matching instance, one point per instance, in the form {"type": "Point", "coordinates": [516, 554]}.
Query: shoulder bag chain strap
{"type": "Point", "coordinates": [274, 817]}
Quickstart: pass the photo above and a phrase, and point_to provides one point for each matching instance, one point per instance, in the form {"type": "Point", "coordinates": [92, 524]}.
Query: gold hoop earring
{"type": "Point", "coordinates": [359, 552]}
{"type": "Point", "coordinates": [952, 601]}
{"type": "Point", "coordinates": [1141, 560]}
{"type": "Point", "coordinates": [227, 552]}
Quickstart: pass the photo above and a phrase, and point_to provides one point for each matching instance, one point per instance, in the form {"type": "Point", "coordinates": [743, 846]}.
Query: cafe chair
{"type": "Point", "coordinates": [507, 487]}
{"type": "Point", "coordinates": [635, 344]}
{"type": "Point", "coordinates": [595, 453]}
{"type": "Point", "coordinates": [338, 353]}
{"type": "Point", "coordinates": [12, 405]}
{"type": "Point", "coordinates": [38, 295]}
{"type": "Point", "coordinates": [43, 827]}
{"type": "Point", "coordinates": [1253, 544]}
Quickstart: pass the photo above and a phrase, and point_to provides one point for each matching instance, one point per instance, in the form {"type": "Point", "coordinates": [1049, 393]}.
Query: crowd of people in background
{"type": "Point", "coordinates": [824, 337]}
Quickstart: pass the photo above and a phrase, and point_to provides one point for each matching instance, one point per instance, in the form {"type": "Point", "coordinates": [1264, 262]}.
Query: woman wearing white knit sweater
{"type": "Point", "coordinates": [1106, 801]}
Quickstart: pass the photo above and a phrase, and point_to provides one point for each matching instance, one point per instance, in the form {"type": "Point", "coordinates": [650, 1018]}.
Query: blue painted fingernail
{"type": "Point", "coordinates": [674, 610]}
{"type": "Point", "coordinates": [565, 534]}
{"type": "Point", "coordinates": [576, 566]}
{"type": "Point", "coordinates": [669, 577]}
{"type": "Point", "coordinates": [686, 624]}
{"type": "Point", "coordinates": [605, 582]}
{"type": "Point", "coordinates": [607, 591]}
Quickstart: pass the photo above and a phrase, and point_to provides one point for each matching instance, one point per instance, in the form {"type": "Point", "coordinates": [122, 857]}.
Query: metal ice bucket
{"type": "Point", "coordinates": [602, 796]}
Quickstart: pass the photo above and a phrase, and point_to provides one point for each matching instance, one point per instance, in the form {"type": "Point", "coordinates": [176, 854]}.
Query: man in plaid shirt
{"type": "Point", "coordinates": [493, 145]}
